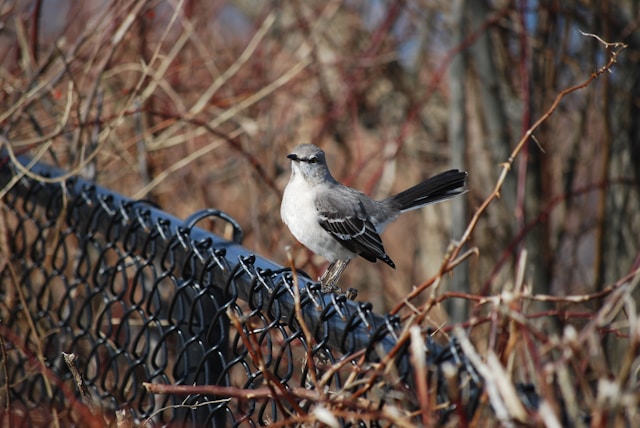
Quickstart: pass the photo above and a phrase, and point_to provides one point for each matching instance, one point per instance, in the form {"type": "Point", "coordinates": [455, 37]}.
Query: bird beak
{"type": "Point", "coordinates": [293, 156]}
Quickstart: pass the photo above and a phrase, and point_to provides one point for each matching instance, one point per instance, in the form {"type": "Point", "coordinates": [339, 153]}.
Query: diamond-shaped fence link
{"type": "Point", "coordinates": [142, 297]}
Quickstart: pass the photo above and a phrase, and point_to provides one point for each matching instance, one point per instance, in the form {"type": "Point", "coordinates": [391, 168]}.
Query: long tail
{"type": "Point", "coordinates": [438, 188]}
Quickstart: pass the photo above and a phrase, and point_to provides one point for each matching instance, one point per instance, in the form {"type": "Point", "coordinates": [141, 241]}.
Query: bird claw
{"type": "Point", "coordinates": [330, 288]}
{"type": "Point", "coordinates": [351, 293]}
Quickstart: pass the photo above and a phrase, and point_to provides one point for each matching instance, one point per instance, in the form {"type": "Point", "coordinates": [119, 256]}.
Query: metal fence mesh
{"type": "Point", "coordinates": [140, 296]}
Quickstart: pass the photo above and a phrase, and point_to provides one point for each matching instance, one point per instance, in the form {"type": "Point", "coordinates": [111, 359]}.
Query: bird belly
{"type": "Point", "coordinates": [298, 212]}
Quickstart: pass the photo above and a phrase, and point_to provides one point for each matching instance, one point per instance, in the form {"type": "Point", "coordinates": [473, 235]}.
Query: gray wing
{"type": "Point", "coordinates": [343, 215]}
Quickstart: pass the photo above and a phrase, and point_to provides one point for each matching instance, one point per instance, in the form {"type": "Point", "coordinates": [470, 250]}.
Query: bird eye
{"type": "Point", "coordinates": [313, 159]}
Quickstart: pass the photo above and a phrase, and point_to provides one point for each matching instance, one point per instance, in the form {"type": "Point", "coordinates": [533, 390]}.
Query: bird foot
{"type": "Point", "coordinates": [330, 277]}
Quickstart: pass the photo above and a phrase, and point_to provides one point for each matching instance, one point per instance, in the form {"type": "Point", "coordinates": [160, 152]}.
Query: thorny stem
{"type": "Point", "coordinates": [451, 257]}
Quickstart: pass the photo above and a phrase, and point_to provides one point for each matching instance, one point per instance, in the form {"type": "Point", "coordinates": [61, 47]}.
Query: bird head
{"type": "Point", "coordinates": [310, 162]}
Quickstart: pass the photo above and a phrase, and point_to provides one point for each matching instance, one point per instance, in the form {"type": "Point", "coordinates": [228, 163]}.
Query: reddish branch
{"type": "Point", "coordinates": [506, 168]}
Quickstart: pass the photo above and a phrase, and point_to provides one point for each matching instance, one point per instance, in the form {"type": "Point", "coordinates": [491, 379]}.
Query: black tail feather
{"type": "Point", "coordinates": [435, 189]}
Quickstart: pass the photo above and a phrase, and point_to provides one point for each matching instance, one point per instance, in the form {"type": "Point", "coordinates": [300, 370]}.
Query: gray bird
{"type": "Point", "coordinates": [338, 222]}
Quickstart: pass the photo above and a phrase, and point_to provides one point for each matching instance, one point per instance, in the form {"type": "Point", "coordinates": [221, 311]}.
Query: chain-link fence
{"type": "Point", "coordinates": [141, 297]}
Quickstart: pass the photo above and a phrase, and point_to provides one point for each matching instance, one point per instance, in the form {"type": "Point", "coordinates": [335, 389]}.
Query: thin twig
{"type": "Point", "coordinates": [506, 168]}
{"type": "Point", "coordinates": [71, 361]}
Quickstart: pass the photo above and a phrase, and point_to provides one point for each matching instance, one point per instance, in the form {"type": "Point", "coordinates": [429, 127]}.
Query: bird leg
{"type": "Point", "coordinates": [330, 277]}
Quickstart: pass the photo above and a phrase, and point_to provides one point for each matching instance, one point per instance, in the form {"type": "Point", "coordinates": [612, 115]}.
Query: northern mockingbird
{"type": "Point", "coordinates": [338, 222]}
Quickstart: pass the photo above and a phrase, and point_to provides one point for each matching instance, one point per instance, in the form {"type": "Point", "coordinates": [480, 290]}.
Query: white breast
{"type": "Point", "coordinates": [298, 212]}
